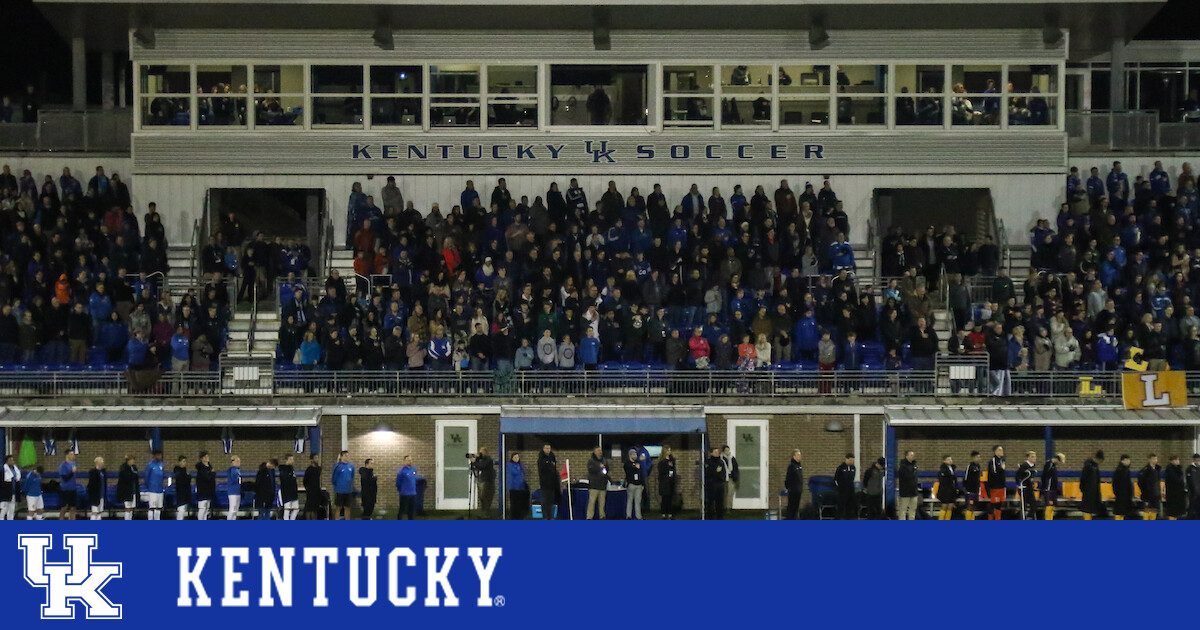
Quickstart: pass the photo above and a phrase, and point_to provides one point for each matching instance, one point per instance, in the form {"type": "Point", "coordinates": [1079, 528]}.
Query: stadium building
{"type": "Point", "coordinates": [931, 114]}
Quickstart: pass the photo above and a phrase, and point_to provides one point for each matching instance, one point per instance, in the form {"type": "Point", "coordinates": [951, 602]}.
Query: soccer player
{"type": "Point", "coordinates": [1149, 484]}
{"type": "Point", "coordinates": [1050, 487]}
{"type": "Point", "coordinates": [343, 486]}
{"type": "Point", "coordinates": [33, 495]}
{"type": "Point", "coordinates": [1176, 499]}
{"type": "Point", "coordinates": [1025, 473]}
{"type": "Point", "coordinates": [127, 487]}
{"type": "Point", "coordinates": [1092, 504]}
{"type": "Point", "coordinates": [233, 487]}
{"type": "Point", "coordinates": [971, 486]}
{"type": "Point", "coordinates": [206, 486]}
{"type": "Point", "coordinates": [289, 494]}
{"type": "Point", "coordinates": [96, 489]}
{"type": "Point", "coordinates": [265, 489]}
{"type": "Point", "coordinates": [9, 490]}
{"type": "Point", "coordinates": [68, 494]}
{"type": "Point", "coordinates": [947, 492]}
{"type": "Point", "coordinates": [1122, 484]}
{"type": "Point", "coordinates": [183, 488]}
{"type": "Point", "coordinates": [154, 486]}
{"type": "Point", "coordinates": [996, 482]}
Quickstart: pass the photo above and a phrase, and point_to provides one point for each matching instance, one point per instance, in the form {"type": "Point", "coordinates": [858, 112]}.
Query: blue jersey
{"type": "Point", "coordinates": [343, 478]}
{"type": "Point", "coordinates": [66, 476]}
{"type": "Point", "coordinates": [1095, 187]}
{"type": "Point", "coordinates": [406, 481]}
{"type": "Point", "coordinates": [233, 486]}
{"type": "Point", "coordinates": [33, 485]}
{"type": "Point", "coordinates": [154, 477]}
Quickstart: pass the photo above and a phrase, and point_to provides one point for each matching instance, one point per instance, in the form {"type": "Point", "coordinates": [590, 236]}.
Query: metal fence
{"type": "Point", "coordinates": [105, 131]}
{"type": "Point", "coordinates": [290, 383]}
{"type": "Point", "coordinates": [1111, 130]}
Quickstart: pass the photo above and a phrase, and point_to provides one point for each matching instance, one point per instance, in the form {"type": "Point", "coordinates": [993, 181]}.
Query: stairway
{"type": "Point", "coordinates": [343, 261]}
{"type": "Point", "coordinates": [942, 326]}
{"type": "Point", "coordinates": [864, 261]}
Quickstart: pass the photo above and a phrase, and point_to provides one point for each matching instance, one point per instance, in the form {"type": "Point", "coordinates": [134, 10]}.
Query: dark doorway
{"type": "Point", "coordinates": [285, 212]}
{"type": "Point", "coordinates": [969, 210]}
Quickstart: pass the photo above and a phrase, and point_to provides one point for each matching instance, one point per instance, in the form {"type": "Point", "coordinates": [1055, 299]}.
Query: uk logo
{"type": "Point", "coordinates": [77, 581]}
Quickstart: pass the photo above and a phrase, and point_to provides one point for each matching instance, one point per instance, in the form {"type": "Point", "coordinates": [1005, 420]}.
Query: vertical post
{"type": "Point", "coordinates": [703, 463]}
{"type": "Point", "coordinates": [345, 433]}
{"type": "Point", "coordinates": [108, 88]}
{"type": "Point", "coordinates": [890, 452]}
{"type": "Point", "coordinates": [122, 94]}
{"type": "Point", "coordinates": [78, 73]}
{"type": "Point", "coordinates": [1116, 82]}
{"type": "Point", "coordinates": [3, 442]}
{"type": "Point", "coordinates": [1049, 443]}
{"type": "Point", "coordinates": [858, 444]}
{"type": "Point", "coordinates": [504, 479]}
{"type": "Point", "coordinates": [314, 440]}
{"type": "Point", "coordinates": [156, 442]}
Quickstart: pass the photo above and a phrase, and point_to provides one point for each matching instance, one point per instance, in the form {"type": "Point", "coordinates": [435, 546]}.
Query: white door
{"type": "Point", "coordinates": [455, 438]}
{"type": "Point", "coordinates": [748, 441]}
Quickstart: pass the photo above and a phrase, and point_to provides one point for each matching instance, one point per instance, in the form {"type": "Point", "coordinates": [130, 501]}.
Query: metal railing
{"type": "Point", "coordinates": [65, 130]}
{"type": "Point", "coordinates": [327, 245]}
{"type": "Point", "coordinates": [1114, 130]}
{"type": "Point", "coordinates": [311, 383]}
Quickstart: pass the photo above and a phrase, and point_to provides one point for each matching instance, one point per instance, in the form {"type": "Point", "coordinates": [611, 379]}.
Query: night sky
{"type": "Point", "coordinates": [31, 52]}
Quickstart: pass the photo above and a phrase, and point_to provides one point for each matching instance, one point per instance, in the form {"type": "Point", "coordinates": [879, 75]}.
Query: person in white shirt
{"type": "Point", "coordinates": [731, 475]}
{"type": "Point", "coordinates": [9, 491]}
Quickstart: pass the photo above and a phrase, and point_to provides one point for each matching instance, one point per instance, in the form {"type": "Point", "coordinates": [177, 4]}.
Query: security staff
{"type": "Point", "coordinates": [1025, 474]}
{"type": "Point", "coordinates": [843, 479]}
{"type": "Point", "coordinates": [549, 481]}
{"type": "Point", "coordinates": [1122, 483]}
{"type": "Point", "coordinates": [793, 482]}
{"type": "Point", "coordinates": [1050, 487]}
{"type": "Point", "coordinates": [1176, 499]}
{"type": "Point", "coordinates": [995, 482]}
{"type": "Point", "coordinates": [1193, 486]}
{"type": "Point", "coordinates": [714, 485]}
{"type": "Point", "coordinates": [909, 486]}
{"type": "Point", "coordinates": [971, 483]}
{"type": "Point", "coordinates": [1092, 505]}
{"type": "Point", "coordinates": [947, 493]}
{"type": "Point", "coordinates": [1149, 484]}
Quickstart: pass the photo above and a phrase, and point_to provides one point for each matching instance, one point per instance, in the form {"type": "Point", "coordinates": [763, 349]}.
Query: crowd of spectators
{"type": "Point", "coordinates": [82, 278]}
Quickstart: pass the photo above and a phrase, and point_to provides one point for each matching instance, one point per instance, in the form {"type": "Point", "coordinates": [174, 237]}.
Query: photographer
{"type": "Point", "coordinates": [484, 470]}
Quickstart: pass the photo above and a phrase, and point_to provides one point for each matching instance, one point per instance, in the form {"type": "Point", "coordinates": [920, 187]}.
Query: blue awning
{"type": "Point", "coordinates": [601, 419]}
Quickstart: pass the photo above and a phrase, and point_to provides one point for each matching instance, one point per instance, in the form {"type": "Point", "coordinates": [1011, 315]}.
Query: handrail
{"type": "Point", "coordinates": [327, 248]}
{"type": "Point", "coordinates": [195, 253]}
{"type": "Point", "coordinates": [1002, 243]}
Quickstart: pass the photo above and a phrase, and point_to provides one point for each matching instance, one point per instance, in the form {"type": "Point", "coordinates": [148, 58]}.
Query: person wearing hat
{"type": "Point", "coordinates": [1192, 479]}
{"type": "Point", "coordinates": [1050, 487]}
{"type": "Point", "coordinates": [971, 485]}
{"type": "Point", "coordinates": [1025, 474]}
{"type": "Point", "coordinates": [1176, 497]}
{"type": "Point", "coordinates": [1150, 487]}
{"type": "Point", "coordinates": [1089, 487]}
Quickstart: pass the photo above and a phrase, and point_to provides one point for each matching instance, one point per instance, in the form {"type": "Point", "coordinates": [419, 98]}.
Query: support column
{"type": "Point", "coordinates": [345, 434]}
{"type": "Point", "coordinates": [122, 95]}
{"type": "Point", "coordinates": [314, 440]}
{"type": "Point", "coordinates": [1049, 443]}
{"type": "Point", "coordinates": [858, 446]}
{"type": "Point", "coordinates": [108, 89]}
{"type": "Point", "coordinates": [889, 487]}
{"type": "Point", "coordinates": [1116, 81]}
{"type": "Point", "coordinates": [156, 442]}
{"type": "Point", "coordinates": [78, 73]}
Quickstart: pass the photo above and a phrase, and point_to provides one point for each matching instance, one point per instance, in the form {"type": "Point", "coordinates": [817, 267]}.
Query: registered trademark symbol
{"type": "Point", "coordinates": [498, 600]}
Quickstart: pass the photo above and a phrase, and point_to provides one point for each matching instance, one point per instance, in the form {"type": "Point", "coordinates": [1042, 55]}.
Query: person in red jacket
{"type": "Point", "coordinates": [698, 347]}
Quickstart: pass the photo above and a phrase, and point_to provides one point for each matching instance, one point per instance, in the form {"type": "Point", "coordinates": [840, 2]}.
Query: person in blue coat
{"type": "Point", "coordinates": [406, 485]}
{"type": "Point", "coordinates": [113, 336]}
{"type": "Point", "coordinates": [807, 335]}
{"type": "Point", "coordinates": [32, 488]}
{"type": "Point", "coordinates": [136, 349]}
{"type": "Point", "coordinates": [589, 350]}
{"type": "Point", "coordinates": [343, 486]}
{"type": "Point", "coordinates": [68, 487]}
{"type": "Point", "coordinates": [1117, 184]}
{"type": "Point", "coordinates": [181, 350]}
{"type": "Point", "coordinates": [99, 305]}
{"type": "Point", "coordinates": [233, 487]}
{"type": "Point", "coordinates": [518, 490]}
{"type": "Point", "coordinates": [154, 486]}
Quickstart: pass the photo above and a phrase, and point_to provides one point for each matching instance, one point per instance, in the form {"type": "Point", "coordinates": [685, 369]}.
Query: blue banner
{"type": "Point", "coordinates": [509, 574]}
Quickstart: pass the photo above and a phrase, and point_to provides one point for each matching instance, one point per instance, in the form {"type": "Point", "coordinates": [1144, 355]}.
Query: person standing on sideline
{"type": "Point", "coordinates": [910, 489]}
{"type": "Point", "coordinates": [635, 486]}
{"type": "Point", "coordinates": [1150, 485]}
{"type": "Point", "coordinates": [155, 479]}
{"type": "Point", "coordinates": [996, 488]}
{"type": "Point", "coordinates": [484, 469]}
{"type": "Point", "coordinates": [873, 488]}
{"type": "Point", "coordinates": [518, 490]}
{"type": "Point", "coordinates": [313, 501]}
{"type": "Point", "coordinates": [370, 488]}
{"type": "Point", "coordinates": [264, 489]}
{"type": "Point", "coordinates": [68, 495]}
{"type": "Point", "coordinates": [233, 487]}
{"type": "Point", "coordinates": [1176, 499]}
{"type": "Point", "coordinates": [971, 483]}
{"type": "Point", "coordinates": [206, 486]}
{"type": "Point", "coordinates": [96, 489]}
{"type": "Point", "coordinates": [10, 489]}
{"type": "Point", "coordinates": [597, 470]}
{"type": "Point", "coordinates": [127, 487]}
{"type": "Point", "coordinates": [793, 482]}
{"type": "Point", "coordinates": [549, 481]}
{"type": "Point", "coordinates": [343, 486]}
{"type": "Point", "coordinates": [1025, 474]}
{"type": "Point", "coordinates": [1050, 487]}
{"type": "Point", "coordinates": [1122, 485]}
{"type": "Point", "coordinates": [289, 493]}
{"type": "Point", "coordinates": [183, 488]}
{"type": "Point", "coordinates": [843, 479]}
{"type": "Point", "coordinates": [667, 483]}
{"type": "Point", "coordinates": [1091, 504]}
{"type": "Point", "coordinates": [406, 485]}
{"type": "Point", "coordinates": [34, 504]}
{"type": "Point", "coordinates": [714, 485]}
{"type": "Point", "coordinates": [947, 492]}
{"type": "Point", "coordinates": [1192, 477]}
{"type": "Point", "coordinates": [732, 476]}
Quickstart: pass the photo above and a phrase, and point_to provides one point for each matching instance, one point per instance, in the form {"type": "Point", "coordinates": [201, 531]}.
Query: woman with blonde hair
{"type": "Point", "coordinates": [763, 350]}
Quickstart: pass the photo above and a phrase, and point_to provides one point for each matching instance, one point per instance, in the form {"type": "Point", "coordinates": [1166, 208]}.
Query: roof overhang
{"type": "Point", "coordinates": [1026, 415]}
{"type": "Point", "coordinates": [563, 419]}
{"type": "Point", "coordinates": [118, 417]}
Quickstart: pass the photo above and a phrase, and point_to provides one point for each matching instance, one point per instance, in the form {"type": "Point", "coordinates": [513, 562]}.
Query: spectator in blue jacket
{"type": "Point", "coordinates": [1117, 185]}
{"type": "Point", "coordinates": [68, 487]}
{"type": "Point", "coordinates": [343, 486]}
{"type": "Point", "coordinates": [99, 305]}
{"type": "Point", "coordinates": [406, 485]}
{"type": "Point", "coordinates": [137, 350]}
{"type": "Point", "coordinates": [32, 488]}
{"type": "Point", "coordinates": [589, 349]}
{"type": "Point", "coordinates": [310, 351]}
{"type": "Point", "coordinates": [181, 350]}
{"type": "Point", "coordinates": [233, 487]}
{"type": "Point", "coordinates": [112, 336]}
{"type": "Point", "coordinates": [518, 490]}
{"type": "Point", "coordinates": [154, 486]}
{"type": "Point", "coordinates": [841, 254]}
{"type": "Point", "coordinates": [439, 353]}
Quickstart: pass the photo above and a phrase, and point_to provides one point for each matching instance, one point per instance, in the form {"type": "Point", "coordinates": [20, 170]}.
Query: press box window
{"type": "Point", "coordinates": [688, 96]}
{"type": "Point", "coordinates": [512, 99]}
{"type": "Point", "coordinates": [221, 95]}
{"type": "Point", "coordinates": [396, 96]}
{"type": "Point", "coordinates": [454, 96]}
{"type": "Point", "coordinates": [278, 96]}
{"type": "Point", "coordinates": [598, 95]}
{"type": "Point", "coordinates": [159, 106]}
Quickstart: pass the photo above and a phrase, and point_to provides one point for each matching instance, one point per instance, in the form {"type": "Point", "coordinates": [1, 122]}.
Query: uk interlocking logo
{"type": "Point", "coordinates": [79, 580]}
